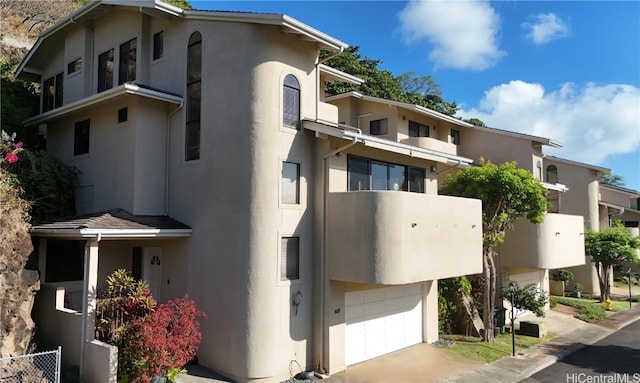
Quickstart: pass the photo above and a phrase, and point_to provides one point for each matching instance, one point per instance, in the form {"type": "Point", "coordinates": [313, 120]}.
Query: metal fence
{"type": "Point", "coordinates": [41, 367]}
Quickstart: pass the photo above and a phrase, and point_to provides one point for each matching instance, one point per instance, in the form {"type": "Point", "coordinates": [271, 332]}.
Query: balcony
{"type": "Point", "coordinates": [327, 113]}
{"type": "Point", "coordinates": [389, 237]}
{"type": "Point", "coordinates": [555, 243]}
{"type": "Point", "coordinates": [432, 144]}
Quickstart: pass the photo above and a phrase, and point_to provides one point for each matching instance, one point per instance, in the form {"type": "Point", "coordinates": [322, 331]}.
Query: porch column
{"type": "Point", "coordinates": [430, 311]}
{"type": "Point", "coordinates": [90, 291]}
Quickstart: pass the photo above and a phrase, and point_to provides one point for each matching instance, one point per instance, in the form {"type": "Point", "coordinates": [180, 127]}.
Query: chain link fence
{"type": "Point", "coordinates": [41, 367]}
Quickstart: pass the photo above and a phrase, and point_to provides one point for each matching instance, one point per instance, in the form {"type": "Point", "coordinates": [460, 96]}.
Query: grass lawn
{"type": "Point", "coordinates": [475, 349]}
{"type": "Point", "coordinates": [590, 310]}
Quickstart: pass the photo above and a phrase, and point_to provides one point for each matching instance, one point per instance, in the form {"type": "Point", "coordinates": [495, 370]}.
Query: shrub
{"type": "Point", "coordinates": [152, 339]}
{"type": "Point", "coordinates": [165, 339]}
{"type": "Point", "coordinates": [562, 275]}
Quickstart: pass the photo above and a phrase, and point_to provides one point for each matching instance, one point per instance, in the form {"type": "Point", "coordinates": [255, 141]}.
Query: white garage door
{"type": "Point", "coordinates": [382, 320]}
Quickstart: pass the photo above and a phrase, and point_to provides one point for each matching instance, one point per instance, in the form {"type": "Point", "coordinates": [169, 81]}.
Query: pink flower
{"type": "Point", "coordinates": [11, 157]}
{"type": "Point", "coordinates": [18, 144]}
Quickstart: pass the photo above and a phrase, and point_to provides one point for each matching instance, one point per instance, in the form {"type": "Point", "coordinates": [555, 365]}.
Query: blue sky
{"type": "Point", "coordinates": [566, 70]}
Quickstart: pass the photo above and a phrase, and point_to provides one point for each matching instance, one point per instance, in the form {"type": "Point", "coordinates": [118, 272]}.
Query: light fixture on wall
{"type": "Point", "coordinates": [433, 168]}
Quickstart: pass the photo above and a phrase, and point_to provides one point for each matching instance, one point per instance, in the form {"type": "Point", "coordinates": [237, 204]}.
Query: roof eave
{"type": "Point", "coordinates": [111, 233]}
{"type": "Point", "coordinates": [126, 88]}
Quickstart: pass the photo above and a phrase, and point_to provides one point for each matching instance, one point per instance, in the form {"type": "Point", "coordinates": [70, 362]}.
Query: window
{"type": "Point", "coordinates": [123, 115]}
{"type": "Point", "coordinates": [74, 66]}
{"type": "Point", "coordinates": [290, 183]}
{"type": "Point", "coordinates": [81, 138]}
{"type": "Point", "coordinates": [378, 127]}
{"type": "Point", "coordinates": [105, 71]}
{"type": "Point", "coordinates": [417, 177]}
{"type": "Point", "coordinates": [552, 174]}
{"type": "Point", "coordinates": [158, 45]}
{"type": "Point", "coordinates": [65, 260]}
{"type": "Point", "coordinates": [366, 174]}
{"type": "Point", "coordinates": [418, 130]}
{"type": "Point", "coordinates": [291, 102]}
{"type": "Point", "coordinates": [539, 170]}
{"type": "Point", "coordinates": [194, 76]}
{"type": "Point", "coordinates": [455, 137]}
{"type": "Point", "coordinates": [127, 67]}
{"type": "Point", "coordinates": [289, 258]}
{"type": "Point", "coordinates": [52, 93]}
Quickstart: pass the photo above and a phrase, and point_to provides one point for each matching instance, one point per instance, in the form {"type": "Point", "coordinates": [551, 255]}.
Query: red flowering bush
{"type": "Point", "coordinates": [163, 340]}
{"type": "Point", "coordinates": [152, 339]}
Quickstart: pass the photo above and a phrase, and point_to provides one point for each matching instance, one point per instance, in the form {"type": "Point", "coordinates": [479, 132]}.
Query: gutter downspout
{"type": "Point", "coordinates": [325, 193]}
{"type": "Point", "coordinates": [167, 158]}
{"type": "Point", "coordinates": [323, 272]}
{"type": "Point", "coordinates": [85, 305]}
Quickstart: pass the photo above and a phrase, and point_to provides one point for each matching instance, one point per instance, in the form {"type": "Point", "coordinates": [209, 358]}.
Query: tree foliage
{"type": "Point", "coordinates": [408, 87]}
{"type": "Point", "coordinates": [507, 193]}
{"type": "Point", "coordinates": [607, 249]}
{"type": "Point", "coordinates": [527, 297]}
{"type": "Point", "coordinates": [152, 339]}
{"type": "Point", "coordinates": [611, 179]}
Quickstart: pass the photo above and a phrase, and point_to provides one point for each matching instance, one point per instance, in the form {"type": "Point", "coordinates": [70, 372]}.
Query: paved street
{"type": "Point", "coordinates": [615, 358]}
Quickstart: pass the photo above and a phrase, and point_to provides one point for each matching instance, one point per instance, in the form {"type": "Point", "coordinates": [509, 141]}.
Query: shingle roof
{"type": "Point", "coordinates": [115, 222]}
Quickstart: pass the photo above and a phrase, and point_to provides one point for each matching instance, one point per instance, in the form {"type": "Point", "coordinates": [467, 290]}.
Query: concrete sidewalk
{"type": "Point", "coordinates": [528, 362]}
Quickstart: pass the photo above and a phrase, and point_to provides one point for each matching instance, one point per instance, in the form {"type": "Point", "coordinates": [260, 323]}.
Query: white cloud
{"type": "Point", "coordinates": [545, 27]}
{"type": "Point", "coordinates": [462, 34]}
{"type": "Point", "coordinates": [592, 122]}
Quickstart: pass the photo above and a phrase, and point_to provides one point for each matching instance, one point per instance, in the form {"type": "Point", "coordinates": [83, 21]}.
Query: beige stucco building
{"type": "Point", "coordinates": [529, 250]}
{"type": "Point", "coordinates": [212, 165]}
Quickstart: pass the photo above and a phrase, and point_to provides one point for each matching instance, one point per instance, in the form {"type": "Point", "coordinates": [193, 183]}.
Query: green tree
{"type": "Point", "coordinates": [507, 193]}
{"type": "Point", "coordinates": [527, 297]}
{"type": "Point", "coordinates": [408, 87]}
{"type": "Point", "coordinates": [18, 101]}
{"type": "Point", "coordinates": [607, 249]}
{"type": "Point", "coordinates": [611, 179]}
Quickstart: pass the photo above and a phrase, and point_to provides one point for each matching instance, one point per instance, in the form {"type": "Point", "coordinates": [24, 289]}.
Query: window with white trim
{"type": "Point", "coordinates": [289, 258]}
{"type": "Point", "coordinates": [290, 183]}
{"type": "Point", "coordinates": [194, 80]}
{"type": "Point", "coordinates": [291, 102]}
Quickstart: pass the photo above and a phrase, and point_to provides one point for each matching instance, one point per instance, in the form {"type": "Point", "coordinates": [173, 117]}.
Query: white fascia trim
{"type": "Point", "coordinates": [581, 164]}
{"type": "Point", "coordinates": [270, 19]}
{"type": "Point", "coordinates": [403, 105]}
{"type": "Point", "coordinates": [340, 75]}
{"type": "Point", "coordinates": [392, 146]}
{"type": "Point", "coordinates": [113, 233]}
{"type": "Point", "coordinates": [103, 96]}
{"type": "Point", "coordinates": [557, 187]}
{"type": "Point", "coordinates": [541, 140]}
{"type": "Point", "coordinates": [135, 233]}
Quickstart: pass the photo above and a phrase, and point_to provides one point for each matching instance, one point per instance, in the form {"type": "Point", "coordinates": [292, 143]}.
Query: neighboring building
{"type": "Point", "coordinates": [623, 204]}
{"type": "Point", "coordinates": [212, 166]}
{"type": "Point", "coordinates": [582, 198]}
{"type": "Point", "coordinates": [529, 250]}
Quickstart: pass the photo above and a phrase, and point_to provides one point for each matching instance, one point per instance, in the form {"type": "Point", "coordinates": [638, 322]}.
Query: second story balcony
{"type": "Point", "coordinates": [557, 242]}
{"type": "Point", "coordinates": [432, 144]}
{"type": "Point", "coordinates": [389, 237]}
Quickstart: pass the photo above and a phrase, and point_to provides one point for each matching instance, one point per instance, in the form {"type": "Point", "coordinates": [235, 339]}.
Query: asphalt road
{"type": "Point", "coordinates": [615, 358]}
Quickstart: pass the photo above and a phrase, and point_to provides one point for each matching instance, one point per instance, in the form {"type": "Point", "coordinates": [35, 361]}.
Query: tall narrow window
{"type": "Point", "coordinates": [290, 183]}
{"type": "Point", "coordinates": [52, 92]}
{"type": "Point", "coordinates": [289, 258]}
{"type": "Point", "coordinates": [379, 127]}
{"type": "Point", "coordinates": [552, 174]}
{"type": "Point", "coordinates": [194, 77]}
{"type": "Point", "coordinates": [455, 137]}
{"type": "Point", "coordinates": [158, 45]}
{"type": "Point", "coordinates": [291, 102]}
{"type": "Point", "coordinates": [127, 67]}
{"type": "Point", "coordinates": [418, 130]}
{"type": "Point", "coordinates": [539, 170]}
{"type": "Point", "coordinates": [105, 71]}
{"type": "Point", "coordinates": [417, 177]}
{"type": "Point", "coordinates": [81, 138]}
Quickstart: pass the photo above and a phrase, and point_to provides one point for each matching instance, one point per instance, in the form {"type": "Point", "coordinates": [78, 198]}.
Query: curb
{"type": "Point", "coordinates": [535, 359]}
